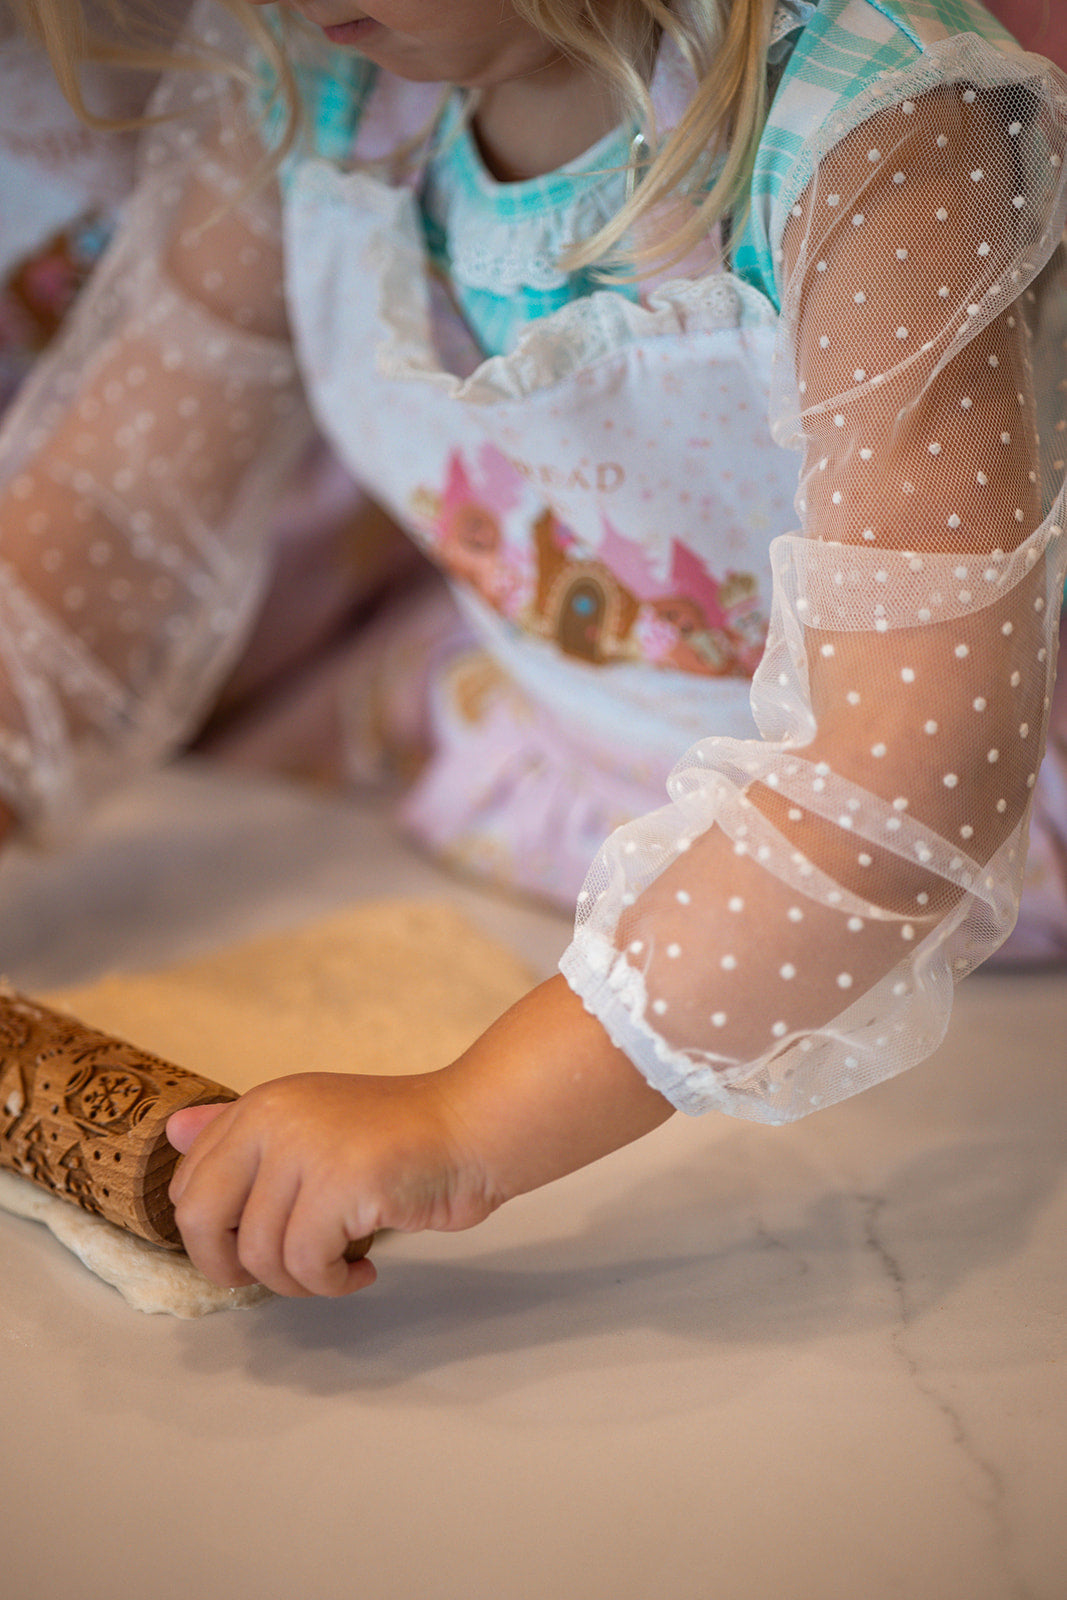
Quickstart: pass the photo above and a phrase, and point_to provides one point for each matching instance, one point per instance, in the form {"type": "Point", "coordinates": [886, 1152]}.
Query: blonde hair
{"type": "Point", "coordinates": [710, 154]}
{"type": "Point", "coordinates": [138, 35]}
{"type": "Point", "coordinates": [708, 157]}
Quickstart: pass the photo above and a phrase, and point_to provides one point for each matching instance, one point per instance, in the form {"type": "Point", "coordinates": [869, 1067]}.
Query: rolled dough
{"type": "Point", "coordinates": [385, 987]}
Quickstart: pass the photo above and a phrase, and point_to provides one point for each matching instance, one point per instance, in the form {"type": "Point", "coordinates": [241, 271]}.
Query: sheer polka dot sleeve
{"type": "Point", "coordinates": [139, 463]}
{"type": "Point", "coordinates": [789, 930]}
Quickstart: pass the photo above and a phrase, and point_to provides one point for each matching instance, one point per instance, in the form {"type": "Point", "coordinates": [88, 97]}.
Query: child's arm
{"type": "Point", "coordinates": [790, 931]}
{"type": "Point", "coordinates": [279, 1182]}
{"type": "Point", "coordinates": [139, 466]}
{"type": "Point", "coordinates": [791, 928]}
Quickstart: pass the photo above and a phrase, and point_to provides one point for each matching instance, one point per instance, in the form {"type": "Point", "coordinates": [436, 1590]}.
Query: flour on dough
{"type": "Point", "coordinates": [386, 987]}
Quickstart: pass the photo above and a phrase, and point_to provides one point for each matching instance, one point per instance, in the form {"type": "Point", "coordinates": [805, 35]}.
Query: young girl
{"type": "Point", "coordinates": [540, 270]}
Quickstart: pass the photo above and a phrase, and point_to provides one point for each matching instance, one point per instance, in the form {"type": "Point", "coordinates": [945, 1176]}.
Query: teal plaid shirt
{"type": "Point", "coordinates": [829, 60]}
{"type": "Point", "coordinates": [840, 56]}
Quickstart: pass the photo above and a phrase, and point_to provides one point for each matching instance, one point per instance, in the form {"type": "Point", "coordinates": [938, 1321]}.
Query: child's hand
{"type": "Point", "coordinates": [278, 1183]}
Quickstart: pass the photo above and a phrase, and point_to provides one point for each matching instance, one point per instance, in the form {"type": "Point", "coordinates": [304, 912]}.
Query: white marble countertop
{"type": "Point", "coordinates": [824, 1362]}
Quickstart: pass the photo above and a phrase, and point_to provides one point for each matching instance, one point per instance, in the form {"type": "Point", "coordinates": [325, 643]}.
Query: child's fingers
{"type": "Point", "coordinates": [314, 1250]}
{"type": "Point", "coordinates": [261, 1237]}
{"type": "Point", "coordinates": [209, 1207]}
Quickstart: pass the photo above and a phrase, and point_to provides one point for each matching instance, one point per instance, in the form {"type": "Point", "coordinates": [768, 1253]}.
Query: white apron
{"type": "Point", "coordinates": [602, 499]}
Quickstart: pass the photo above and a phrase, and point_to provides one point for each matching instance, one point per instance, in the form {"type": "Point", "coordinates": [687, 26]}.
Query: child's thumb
{"type": "Point", "coordinates": [186, 1126]}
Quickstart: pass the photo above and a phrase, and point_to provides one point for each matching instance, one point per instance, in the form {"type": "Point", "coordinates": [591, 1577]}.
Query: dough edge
{"type": "Point", "coordinates": [148, 1278]}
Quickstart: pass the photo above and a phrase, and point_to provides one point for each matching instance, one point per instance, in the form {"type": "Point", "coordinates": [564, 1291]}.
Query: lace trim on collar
{"type": "Point", "coordinates": [502, 237]}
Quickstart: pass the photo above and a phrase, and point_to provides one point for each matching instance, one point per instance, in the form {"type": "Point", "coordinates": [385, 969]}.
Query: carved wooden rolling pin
{"type": "Point", "coordinates": [84, 1115]}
